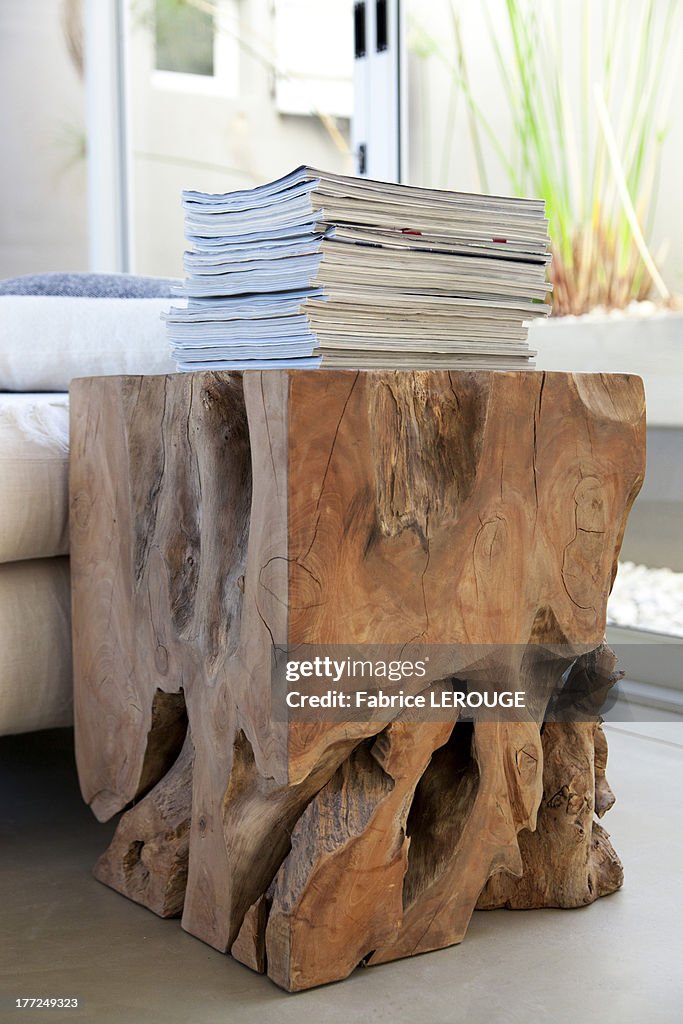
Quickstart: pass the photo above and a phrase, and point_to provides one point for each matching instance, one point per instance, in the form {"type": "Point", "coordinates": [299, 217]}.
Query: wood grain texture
{"type": "Point", "coordinates": [215, 517]}
{"type": "Point", "coordinates": [148, 856]}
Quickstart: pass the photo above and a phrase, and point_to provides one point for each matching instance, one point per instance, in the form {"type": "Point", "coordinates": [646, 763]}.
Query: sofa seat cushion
{"type": "Point", "coordinates": [34, 457]}
{"type": "Point", "coordinates": [35, 646]}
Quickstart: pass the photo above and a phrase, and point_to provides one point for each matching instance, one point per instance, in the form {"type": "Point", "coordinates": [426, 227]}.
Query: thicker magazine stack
{"type": "Point", "coordinates": [321, 270]}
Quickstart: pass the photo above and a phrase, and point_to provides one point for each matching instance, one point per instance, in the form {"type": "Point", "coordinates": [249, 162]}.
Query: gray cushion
{"type": "Point", "coordinates": [105, 286]}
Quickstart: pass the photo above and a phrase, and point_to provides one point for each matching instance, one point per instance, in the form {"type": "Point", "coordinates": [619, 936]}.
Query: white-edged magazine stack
{"type": "Point", "coordinates": [317, 269]}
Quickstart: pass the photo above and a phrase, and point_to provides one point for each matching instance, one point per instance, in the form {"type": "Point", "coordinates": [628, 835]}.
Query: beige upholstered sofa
{"type": "Point", "coordinates": [75, 325]}
{"type": "Point", "coordinates": [35, 650]}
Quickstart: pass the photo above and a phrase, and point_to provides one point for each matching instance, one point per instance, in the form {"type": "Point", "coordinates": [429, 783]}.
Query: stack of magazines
{"type": "Point", "coordinates": [322, 270]}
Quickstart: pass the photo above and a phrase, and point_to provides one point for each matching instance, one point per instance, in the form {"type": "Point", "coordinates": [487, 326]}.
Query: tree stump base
{"type": "Point", "coordinates": [218, 517]}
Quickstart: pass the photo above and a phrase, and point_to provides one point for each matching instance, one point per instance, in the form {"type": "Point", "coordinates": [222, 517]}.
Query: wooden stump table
{"type": "Point", "coordinates": [216, 518]}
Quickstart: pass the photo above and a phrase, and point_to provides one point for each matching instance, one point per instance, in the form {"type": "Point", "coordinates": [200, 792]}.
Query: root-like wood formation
{"type": "Point", "coordinates": [215, 517]}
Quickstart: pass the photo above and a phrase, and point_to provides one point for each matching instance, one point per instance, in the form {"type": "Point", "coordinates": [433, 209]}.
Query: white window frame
{"type": "Point", "coordinates": [226, 60]}
{"type": "Point", "coordinates": [380, 122]}
{"type": "Point", "coordinates": [106, 123]}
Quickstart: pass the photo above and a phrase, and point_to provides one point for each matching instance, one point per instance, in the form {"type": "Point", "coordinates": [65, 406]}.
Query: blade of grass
{"type": "Point", "coordinates": [622, 188]}
{"type": "Point", "coordinates": [471, 119]}
{"type": "Point", "coordinates": [491, 135]}
{"type": "Point", "coordinates": [585, 91]}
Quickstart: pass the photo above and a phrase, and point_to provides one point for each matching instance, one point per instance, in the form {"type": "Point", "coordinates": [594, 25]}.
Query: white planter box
{"type": "Point", "coordinates": [651, 346]}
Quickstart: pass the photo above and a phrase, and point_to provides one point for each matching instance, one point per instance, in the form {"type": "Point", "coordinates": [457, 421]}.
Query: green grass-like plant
{"type": "Point", "coordinates": [587, 137]}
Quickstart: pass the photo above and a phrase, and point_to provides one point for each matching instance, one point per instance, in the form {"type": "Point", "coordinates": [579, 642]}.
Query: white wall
{"type": "Point", "coordinates": [42, 198]}
{"type": "Point", "coordinates": [199, 137]}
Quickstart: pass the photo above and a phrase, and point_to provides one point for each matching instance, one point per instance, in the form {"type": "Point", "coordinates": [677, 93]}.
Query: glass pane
{"type": "Point", "coordinates": [279, 95]}
{"type": "Point", "coordinates": [183, 37]}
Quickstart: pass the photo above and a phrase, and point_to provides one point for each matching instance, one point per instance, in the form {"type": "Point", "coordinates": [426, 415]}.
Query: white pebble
{"type": "Point", "coordinates": [645, 598]}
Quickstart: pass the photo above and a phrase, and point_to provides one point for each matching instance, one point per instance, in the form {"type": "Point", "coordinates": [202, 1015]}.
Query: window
{"type": "Point", "coordinates": [183, 37]}
{"type": "Point", "coordinates": [313, 53]}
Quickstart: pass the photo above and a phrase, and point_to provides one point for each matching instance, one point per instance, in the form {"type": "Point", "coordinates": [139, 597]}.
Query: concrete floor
{"type": "Point", "coordinates": [64, 934]}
